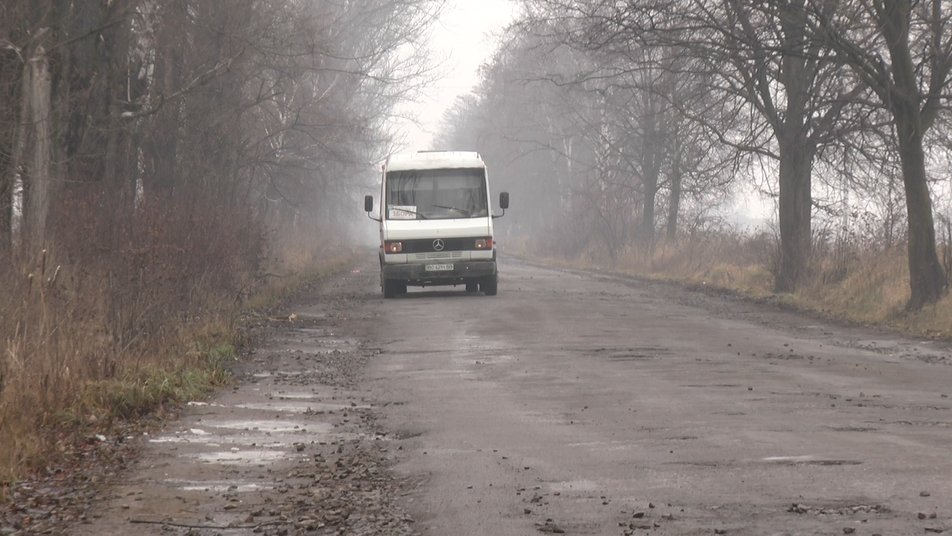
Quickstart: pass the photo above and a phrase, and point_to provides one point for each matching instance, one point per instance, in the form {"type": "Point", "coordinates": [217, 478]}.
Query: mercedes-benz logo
{"type": "Point", "coordinates": [438, 244]}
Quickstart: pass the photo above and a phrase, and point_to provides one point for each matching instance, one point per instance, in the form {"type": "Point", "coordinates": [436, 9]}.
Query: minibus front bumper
{"type": "Point", "coordinates": [444, 272]}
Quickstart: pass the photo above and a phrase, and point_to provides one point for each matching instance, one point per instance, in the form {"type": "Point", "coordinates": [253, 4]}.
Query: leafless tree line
{"type": "Point", "coordinates": [609, 111]}
{"type": "Point", "coordinates": [113, 108]}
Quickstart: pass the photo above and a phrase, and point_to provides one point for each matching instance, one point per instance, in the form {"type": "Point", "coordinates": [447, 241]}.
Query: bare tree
{"type": "Point", "coordinates": [912, 86]}
{"type": "Point", "coordinates": [762, 63]}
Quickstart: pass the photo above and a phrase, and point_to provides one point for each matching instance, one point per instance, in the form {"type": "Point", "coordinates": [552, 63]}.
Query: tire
{"type": "Point", "coordinates": [490, 285]}
{"type": "Point", "coordinates": [472, 287]}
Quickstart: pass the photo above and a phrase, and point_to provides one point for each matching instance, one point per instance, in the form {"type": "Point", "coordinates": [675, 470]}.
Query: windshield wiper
{"type": "Point", "coordinates": [461, 211]}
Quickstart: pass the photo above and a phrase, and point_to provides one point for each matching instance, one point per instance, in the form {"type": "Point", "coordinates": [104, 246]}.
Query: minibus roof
{"type": "Point", "coordinates": [434, 160]}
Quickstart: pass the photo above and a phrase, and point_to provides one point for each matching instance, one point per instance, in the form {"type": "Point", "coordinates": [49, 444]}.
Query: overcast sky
{"type": "Point", "coordinates": [465, 37]}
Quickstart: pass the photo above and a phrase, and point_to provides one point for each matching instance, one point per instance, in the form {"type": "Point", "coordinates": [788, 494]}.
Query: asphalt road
{"type": "Point", "coordinates": [570, 403]}
{"type": "Point", "coordinates": [599, 405]}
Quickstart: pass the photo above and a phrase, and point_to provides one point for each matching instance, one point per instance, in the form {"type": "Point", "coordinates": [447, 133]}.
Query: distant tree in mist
{"type": "Point", "coordinates": [595, 136]}
{"type": "Point", "coordinates": [278, 106]}
{"type": "Point", "coordinates": [619, 102]}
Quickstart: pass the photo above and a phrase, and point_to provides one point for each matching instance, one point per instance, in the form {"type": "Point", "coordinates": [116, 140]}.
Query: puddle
{"type": "Point", "coordinates": [244, 441]}
{"type": "Point", "coordinates": [260, 425]}
{"type": "Point", "coordinates": [299, 407]}
{"type": "Point", "coordinates": [184, 439]}
{"type": "Point", "coordinates": [288, 373]}
{"type": "Point", "coordinates": [218, 486]}
{"type": "Point", "coordinates": [243, 457]}
{"type": "Point", "coordinates": [271, 426]}
{"type": "Point", "coordinates": [192, 435]}
{"type": "Point", "coordinates": [320, 346]}
{"type": "Point", "coordinates": [807, 460]}
{"type": "Point", "coordinates": [294, 396]}
{"type": "Point", "coordinates": [602, 445]}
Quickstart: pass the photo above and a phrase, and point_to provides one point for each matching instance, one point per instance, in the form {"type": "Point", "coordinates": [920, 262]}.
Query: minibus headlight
{"type": "Point", "coordinates": [393, 246]}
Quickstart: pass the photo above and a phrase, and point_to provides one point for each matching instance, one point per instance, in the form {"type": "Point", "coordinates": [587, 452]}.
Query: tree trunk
{"type": "Point", "coordinates": [927, 281]}
{"type": "Point", "coordinates": [10, 72]}
{"type": "Point", "coordinates": [648, 211]}
{"type": "Point", "coordinates": [119, 148]}
{"type": "Point", "coordinates": [926, 278]}
{"type": "Point", "coordinates": [163, 146]}
{"type": "Point", "coordinates": [796, 166]}
{"type": "Point", "coordinates": [651, 159]}
{"type": "Point", "coordinates": [21, 144]}
{"type": "Point", "coordinates": [796, 151]}
{"type": "Point", "coordinates": [6, 196]}
{"type": "Point", "coordinates": [37, 180]}
{"type": "Point", "coordinates": [674, 203]}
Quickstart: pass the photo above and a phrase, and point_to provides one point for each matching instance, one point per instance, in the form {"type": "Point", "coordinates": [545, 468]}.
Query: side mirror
{"type": "Point", "coordinates": [503, 204]}
{"type": "Point", "coordinates": [369, 207]}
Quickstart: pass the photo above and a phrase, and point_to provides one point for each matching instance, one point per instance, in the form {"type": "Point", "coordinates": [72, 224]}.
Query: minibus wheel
{"type": "Point", "coordinates": [489, 285]}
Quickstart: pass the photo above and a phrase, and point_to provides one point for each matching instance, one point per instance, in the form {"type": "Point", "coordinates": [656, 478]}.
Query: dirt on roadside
{"type": "Point", "coordinates": [291, 448]}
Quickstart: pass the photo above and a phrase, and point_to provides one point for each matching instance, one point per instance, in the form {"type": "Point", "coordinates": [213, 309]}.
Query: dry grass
{"type": "Point", "coordinates": [849, 282]}
{"type": "Point", "coordinates": [125, 319]}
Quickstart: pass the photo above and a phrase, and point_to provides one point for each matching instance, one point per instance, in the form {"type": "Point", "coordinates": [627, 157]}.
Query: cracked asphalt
{"type": "Point", "coordinates": [571, 403]}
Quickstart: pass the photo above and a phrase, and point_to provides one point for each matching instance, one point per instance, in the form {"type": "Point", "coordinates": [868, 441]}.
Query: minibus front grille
{"type": "Point", "coordinates": [437, 255]}
{"type": "Point", "coordinates": [428, 245]}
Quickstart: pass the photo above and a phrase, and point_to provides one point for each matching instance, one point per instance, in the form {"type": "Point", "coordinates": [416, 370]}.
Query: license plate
{"type": "Point", "coordinates": [439, 267]}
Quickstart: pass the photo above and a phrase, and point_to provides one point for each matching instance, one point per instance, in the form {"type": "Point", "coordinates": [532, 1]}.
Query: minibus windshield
{"type": "Point", "coordinates": [436, 194]}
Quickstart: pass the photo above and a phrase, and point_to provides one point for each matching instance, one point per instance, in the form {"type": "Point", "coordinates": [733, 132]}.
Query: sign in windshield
{"type": "Point", "coordinates": [436, 194]}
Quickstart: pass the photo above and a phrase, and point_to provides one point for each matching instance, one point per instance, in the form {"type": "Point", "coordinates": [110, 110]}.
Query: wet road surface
{"type": "Point", "coordinates": [594, 405]}
{"type": "Point", "coordinates": [570, 403]}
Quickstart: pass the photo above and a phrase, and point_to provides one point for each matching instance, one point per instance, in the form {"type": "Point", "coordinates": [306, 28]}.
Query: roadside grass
{"type": "Point", "coordinates": [150, 389]}
{"type": "Point", "coordinates": [856, 284]}
{"type": "Point", "coordinates": [280, 288]}
{"type": "Point", "coordinates": [95, 346]}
